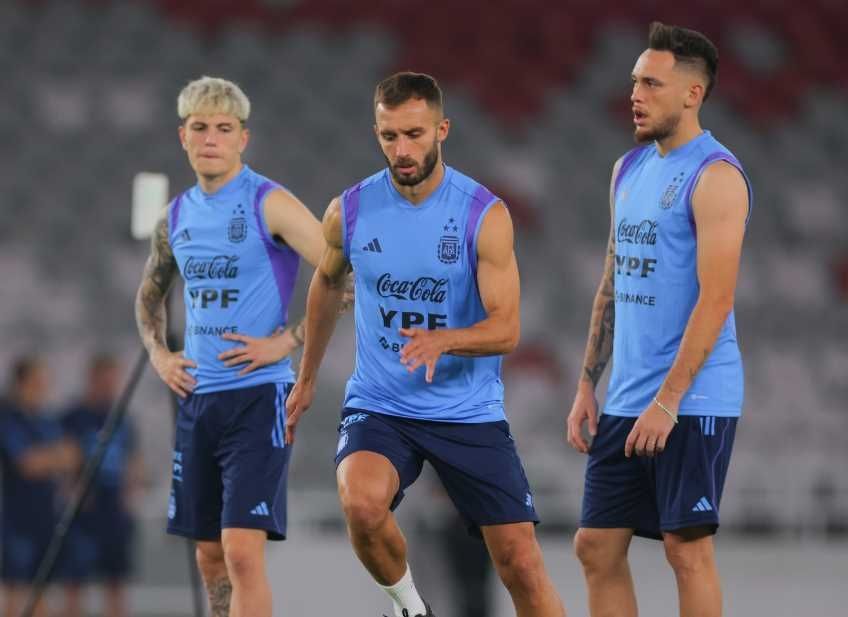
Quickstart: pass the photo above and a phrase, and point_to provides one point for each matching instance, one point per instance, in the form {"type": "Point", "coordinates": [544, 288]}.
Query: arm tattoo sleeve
{"type": "Point", "coordinates": [159, 274]}
{"type": "Point", "coordinates": [348, 297]}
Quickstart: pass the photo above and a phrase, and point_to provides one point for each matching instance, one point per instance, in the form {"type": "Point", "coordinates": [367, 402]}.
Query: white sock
{"type": "Point", "coordinates": [405, 596]}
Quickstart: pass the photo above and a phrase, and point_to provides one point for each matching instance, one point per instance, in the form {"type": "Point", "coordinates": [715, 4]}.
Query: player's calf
{"type": "Point", "coordinates": [518, 560]}
{"type": "Point", "coordinates": [692, 557]}
{"type": "Point", "coordinates": [213, 569]}
{"type": "Point", "coordinates": [244, 553]}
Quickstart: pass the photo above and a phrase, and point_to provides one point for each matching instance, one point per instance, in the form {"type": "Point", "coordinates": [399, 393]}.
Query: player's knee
{"type": "Point", "coordinates": [688, 558]}
{"type": "Point", "coordinates": [364, 514]}
{"type": "Point", "coordinates": [210, 560]}
{"type": "Point", "coordinates": [593, 550]}
{"type": "Point", "coordinates": [243, 562]}
{"type": "Point", "coordinates": [521, 568]}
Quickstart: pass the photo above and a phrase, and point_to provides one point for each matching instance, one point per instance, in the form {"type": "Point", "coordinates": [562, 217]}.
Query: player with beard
{"type": "Point", "coordinates": [680, 204]}
{"type": "Point", "coordinates": [437, 291]}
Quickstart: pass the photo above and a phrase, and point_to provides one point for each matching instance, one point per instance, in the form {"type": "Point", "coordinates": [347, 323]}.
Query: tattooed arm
{"type": "Point", "coordinates": [159, 274]}
{"type": "Point", "coordinates": [599, 345]}
{"type": "Point", "coordinates": [720, 207]}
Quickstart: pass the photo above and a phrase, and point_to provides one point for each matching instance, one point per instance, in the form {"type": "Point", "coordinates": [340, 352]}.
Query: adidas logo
{"type": "Point", "coordinates": [373, 246]}
{"type": "Point", "coordinates": [183, 236]}
{"type": "Point", "coordinates": [261, 510]}
{"type": "Point", "coordinates": [707, 425]}
{"type": "Point", "coordinates": [702, 506]}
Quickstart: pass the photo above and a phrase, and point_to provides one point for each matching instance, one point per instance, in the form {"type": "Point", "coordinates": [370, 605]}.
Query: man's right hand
{"type": "Point", "coordinates": [171, 367]}
{"type": "Point", "coordinates": [585, 408]}
{"type": "Point", "coordinates": [299, 400]}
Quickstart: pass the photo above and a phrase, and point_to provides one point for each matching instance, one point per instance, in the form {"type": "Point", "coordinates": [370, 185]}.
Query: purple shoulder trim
{"type": "Point", "coordinates": [626, 163]}
{"type": "Point", "coordinates": [350, 210]}
{"type": "Point", "coordinates": [712, 158]}
{"type": "Point", "coordinates": [284, 261]}
{"type": "Point", "coordinates": [480, 201]}
{"type": "Point", "coordinates": [175, 212]}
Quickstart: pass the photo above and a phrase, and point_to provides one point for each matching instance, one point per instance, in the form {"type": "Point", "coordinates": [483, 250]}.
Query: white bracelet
{"type": "Point", "coordinates": [671, 415]}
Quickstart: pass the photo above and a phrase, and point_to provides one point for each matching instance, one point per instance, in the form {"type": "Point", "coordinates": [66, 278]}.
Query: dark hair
{"type": "Point", "coordinates": [22, 368]}
{"type": "Point", "coordinates": [689, 47]}
{"type": "Point", "coordinates": [400, 87]}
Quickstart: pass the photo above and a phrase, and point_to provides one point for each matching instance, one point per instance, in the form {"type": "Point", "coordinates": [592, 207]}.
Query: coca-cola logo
{"type": "Point", "coordinates": [424, 288]}
{"type": "Point", "coordinates": [638, 233]}
{"type": "Point", "coordinates": [218, 267]}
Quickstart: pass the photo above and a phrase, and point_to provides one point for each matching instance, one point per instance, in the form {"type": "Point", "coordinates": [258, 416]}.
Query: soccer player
{"type": "Point", "coordinates": [35, 456]}
{"type": "Point", "coordinates": [236, 238]}
{"type": "Point", "coordinates": [437, 291]}
{"type": "Point", "coordinates": [100, 540]}
{"type": "Point", "coordinates": [680, 203]}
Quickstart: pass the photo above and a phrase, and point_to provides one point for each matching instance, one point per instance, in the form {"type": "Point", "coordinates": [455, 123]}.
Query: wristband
{"type": "Point", "coordinates": [671, 414]}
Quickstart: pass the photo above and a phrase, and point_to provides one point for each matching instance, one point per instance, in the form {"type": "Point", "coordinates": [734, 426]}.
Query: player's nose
{"type": "Point", "coordinates": [636, 94]}
{"type": "Point", "coordinates": [402, 147]}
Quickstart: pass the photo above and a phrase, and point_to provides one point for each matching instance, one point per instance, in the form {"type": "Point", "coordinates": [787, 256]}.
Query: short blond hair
{"type": "Point", "coordinates": [213, 95]}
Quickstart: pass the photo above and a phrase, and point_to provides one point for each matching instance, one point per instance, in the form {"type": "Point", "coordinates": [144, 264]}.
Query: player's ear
{"type": "Point", "coordinates": [245, 138]}
{"type": "Point", "coordinates": [443, 129]}
{"type": "Point", "coordinates": [181, 130]}
{"type": "Point", "coordinates": [694, 95]}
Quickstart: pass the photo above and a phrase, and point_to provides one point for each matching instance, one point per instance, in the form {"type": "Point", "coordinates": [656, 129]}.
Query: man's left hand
{"type": "Point", "coordinates": [257, 352]}
{"type": "Point", "coordinates": [649, 433]}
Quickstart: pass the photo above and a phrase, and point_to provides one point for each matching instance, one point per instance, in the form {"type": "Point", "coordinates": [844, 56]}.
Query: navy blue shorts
{"type": "Point", "coordinates": [230, 463]}
{"type": "Point", "coordinates": [22, 553]}
{"type": "Point", "coordinates": [477, 463]}
{"type": "Point", "coordinates": [678, 489]}
{"type": "Point", "coordinates": [98, 547]}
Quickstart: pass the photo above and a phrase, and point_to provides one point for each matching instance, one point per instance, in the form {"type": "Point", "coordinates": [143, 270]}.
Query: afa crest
{"type": "Point", "coordinates": [448, 252]}
{"type": "Point", "coordinates": [237, 230]}
{"type": "Point", "coordinates": [670, 193]}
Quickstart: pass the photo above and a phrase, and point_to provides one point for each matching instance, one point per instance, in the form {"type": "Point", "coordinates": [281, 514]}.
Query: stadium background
{"type": "Point", "coordinates": [538, 95]}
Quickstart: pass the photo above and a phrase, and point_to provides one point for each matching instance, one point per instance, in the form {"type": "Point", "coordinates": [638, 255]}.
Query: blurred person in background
{"type": "Point", "coordinates": [236, 238]}
{"type": "Point", "coordinates": [680, 204]}
{"type": "Point", "coordinates": [35, 457]}
{"type": "Point", "coordinates": [437, 291]}
{"type": "Point", "coordinates": [100, 541]}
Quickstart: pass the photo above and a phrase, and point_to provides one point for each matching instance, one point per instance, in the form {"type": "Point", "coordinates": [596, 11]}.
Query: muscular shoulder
{"type": "Point", "coordinates": [332, 223]}
{"type": "Point", "coordinates": [721, 178]}
{"type": "Point", "coordinates": [280, 198]}
{"type": "Point", "coordinates": [721, 172]}
{"type": "Point", "coordinates": [721, 191]}
{"type": "Point", "coordinates": [496, 233]}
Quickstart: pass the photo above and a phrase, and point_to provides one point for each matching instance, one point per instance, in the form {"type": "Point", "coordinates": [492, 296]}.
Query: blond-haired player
{"type": "Point", "coordinates": [236, 239]}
